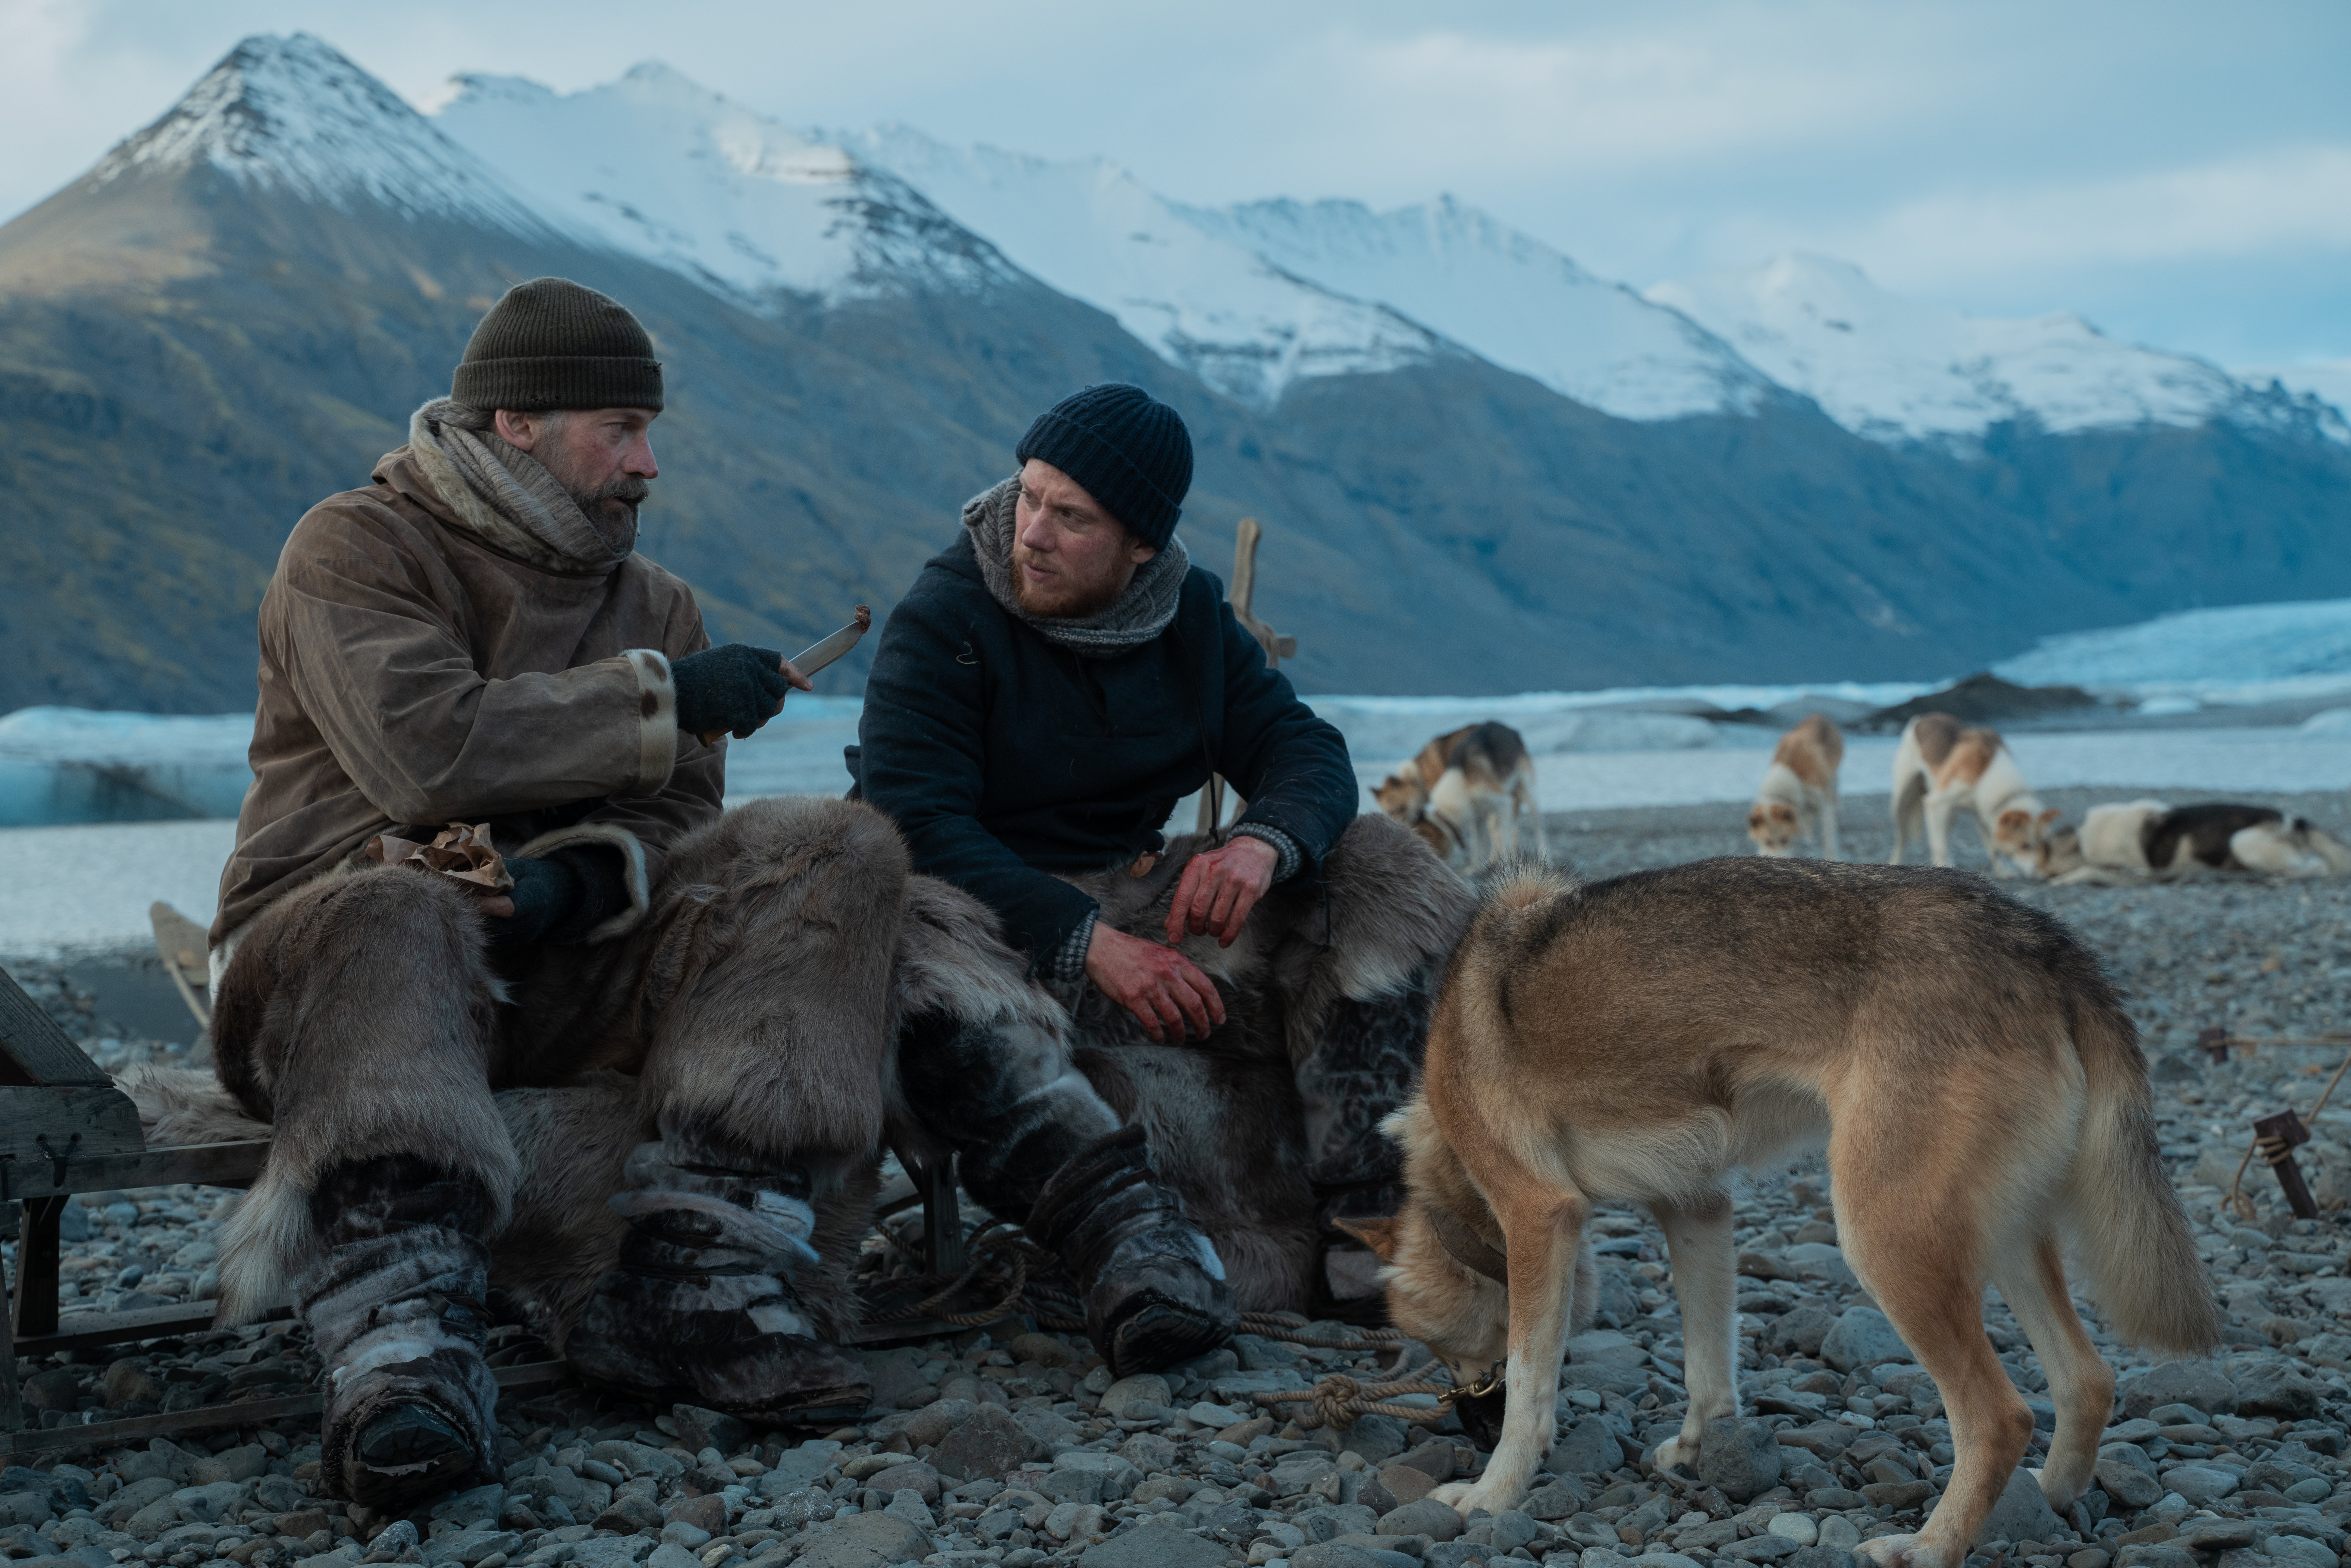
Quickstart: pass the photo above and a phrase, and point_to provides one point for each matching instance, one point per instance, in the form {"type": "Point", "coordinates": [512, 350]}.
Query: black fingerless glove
{"type": "Point", "coordinates": [734, 688]}
{"type": "Point", "coordinates": [560, 896]}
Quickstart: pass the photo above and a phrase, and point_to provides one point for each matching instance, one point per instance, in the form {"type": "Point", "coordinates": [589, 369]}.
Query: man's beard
{"type": "Point", "coordinates": [612, 509]}
{"type": "Point", "coordinates": [1067, 602]}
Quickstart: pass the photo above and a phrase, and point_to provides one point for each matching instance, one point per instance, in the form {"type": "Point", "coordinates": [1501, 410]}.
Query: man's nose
{"type": "Point", "coordinates": [639, 462]}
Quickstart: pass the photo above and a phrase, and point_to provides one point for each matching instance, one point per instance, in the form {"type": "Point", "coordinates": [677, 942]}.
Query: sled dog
{"type": "Point", "coordinates": [1404, 794]}
{"type": "Point", "coordinates": [2108, 847]}
{"type": "Point", "coordinates": [1940, 767]}
{"type": "Point", "coordinates": [1798, 792]}
{"type": "Point", "coordinates": [2130, 842]}
{"type": "Point", "coordinates": [2219, 836]}
{"type": "Point", "coordinates": [1978, 1085]}
{"type": "Point", "coordinates": [1471, 795]}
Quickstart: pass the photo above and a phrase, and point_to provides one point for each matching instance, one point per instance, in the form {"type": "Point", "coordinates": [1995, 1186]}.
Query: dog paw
{"type": "Point", "coordinates": [1466, 1498]}
{"type": "Point", "coordinates": [1907, 1551]}
{"type": "Point", "coordinates": [1676, 1452]}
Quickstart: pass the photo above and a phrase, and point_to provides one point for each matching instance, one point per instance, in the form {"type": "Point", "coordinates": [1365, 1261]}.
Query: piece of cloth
{"type": "Point", "coordinates": [1131, 451]}
{"type": "Point", "coordinates": [1004, 757]}
{"type": "Point", "coordinates": [417, 671]}
{"type": "Point", "coordinates": [735, 688]}
{"type": "Point", "coordinates": [507, 496]}
{"type": "Point", "coordinates": [366, 1017]}
{"type": "Point", "coordinates": [554, 343]}
{"type": "Point", "coordinates": [1141, 613]}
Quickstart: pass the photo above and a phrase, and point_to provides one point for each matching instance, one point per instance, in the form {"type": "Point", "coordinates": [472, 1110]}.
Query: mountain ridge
{"type": "Point", "coordinates": [194, 350]}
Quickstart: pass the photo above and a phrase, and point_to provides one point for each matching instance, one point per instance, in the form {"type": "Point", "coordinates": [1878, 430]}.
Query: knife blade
{"type": "Point", "coordinates": [817, 654]}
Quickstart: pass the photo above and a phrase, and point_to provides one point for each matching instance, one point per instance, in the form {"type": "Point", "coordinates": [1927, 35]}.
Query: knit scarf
{"type": "Point", "coordinates": [507, 495]}
{"type": "Point", "coordinates": [1146, 609]}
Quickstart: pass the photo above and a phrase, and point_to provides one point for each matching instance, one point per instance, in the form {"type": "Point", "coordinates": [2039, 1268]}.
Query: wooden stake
{"type": "Point", "coordinates": [2277, 1138]}
{"type": "Point", "coordinates": [1241, 594]}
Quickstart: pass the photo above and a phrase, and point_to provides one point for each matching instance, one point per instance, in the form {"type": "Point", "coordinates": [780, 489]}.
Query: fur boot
{"type": "Point", "coordinates": [1155, 1290]}
{"type": "Point", "coordinates": [701, 1306]}
{"type": "Point", "coordinates": [395, 1307]}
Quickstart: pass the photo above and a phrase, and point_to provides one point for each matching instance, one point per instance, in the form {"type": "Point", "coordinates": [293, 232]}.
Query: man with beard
{"type": "Point", "coordinates": [469, 649]}
{"type": "Point", "coordinates": [1049, 688]}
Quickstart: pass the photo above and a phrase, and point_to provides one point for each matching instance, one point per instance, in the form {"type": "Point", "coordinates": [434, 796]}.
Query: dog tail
{"type": "Point", "coordinates": [2128, 1227]}
{"type": "Point", "coordinates": [1522, 883]}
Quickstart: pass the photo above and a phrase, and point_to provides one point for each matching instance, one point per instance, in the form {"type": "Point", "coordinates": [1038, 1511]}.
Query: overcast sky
{"type": "Point", "coordinates": [2179, 172]}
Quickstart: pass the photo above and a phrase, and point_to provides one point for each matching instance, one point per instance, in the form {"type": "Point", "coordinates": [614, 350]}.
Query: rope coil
{"type": "Point", "coordinates": [1337, 1400]}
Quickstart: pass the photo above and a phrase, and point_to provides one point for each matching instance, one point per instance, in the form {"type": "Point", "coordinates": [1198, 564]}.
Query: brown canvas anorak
{"type": "Point", "coordinates": [412, 675]}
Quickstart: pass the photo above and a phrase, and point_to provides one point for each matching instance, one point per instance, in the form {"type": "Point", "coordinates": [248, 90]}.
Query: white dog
{"type": "Point", "coordinates": [1798, 792]}
{"type": "Point", "coordinates": [1940, 767]}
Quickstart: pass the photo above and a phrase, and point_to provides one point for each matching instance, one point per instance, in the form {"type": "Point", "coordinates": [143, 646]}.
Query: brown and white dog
{"type": "Point", "coordinates": [1471, 794]}
{"type": "Point", "coordinates": [1637, 1039]}
{"type": "Point", "coordinates": [1798, 792]}
{"type": "Point", "coordinates": [2108, 847]}
{"type": "Point", "coordinates": [2145, 838]}
{"type": "Point", "coordinates": [1941, 766]}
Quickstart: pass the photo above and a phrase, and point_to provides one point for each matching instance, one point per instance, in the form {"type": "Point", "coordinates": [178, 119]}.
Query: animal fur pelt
{"type": "Point", "coordinates": [1267, 1128]}
{"type": "Point", "coordinates": [1270, 1126]}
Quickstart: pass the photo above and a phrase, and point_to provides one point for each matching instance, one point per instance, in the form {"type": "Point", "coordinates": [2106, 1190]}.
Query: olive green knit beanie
{"type": "Point", "coordinates": [551, 343]}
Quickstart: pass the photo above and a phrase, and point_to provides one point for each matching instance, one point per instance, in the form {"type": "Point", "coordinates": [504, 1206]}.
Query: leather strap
{"type": "Point", "coordinates": [1469, 1249]}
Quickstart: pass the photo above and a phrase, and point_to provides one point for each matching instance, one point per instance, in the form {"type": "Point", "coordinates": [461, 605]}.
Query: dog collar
{"type": "Point", "coordinates": [1466, 1246]}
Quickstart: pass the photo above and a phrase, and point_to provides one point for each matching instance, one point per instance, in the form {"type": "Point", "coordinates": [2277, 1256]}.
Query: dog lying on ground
{"type": "Point", "coordinates": [2223, 837]}
{"type": "Point", "coordinates": [1470, 793]}
{"type": "Point", "coordinates": [2109, 846]}
{"type": "Point", "coordinates": [1798, 792]}
{"type": "Point", "coordinates": [1978, 1087]}
{"type": "Point", "coordinates": [1940, 767]}
{"type": "Point", "coordinates": [2130, 842]}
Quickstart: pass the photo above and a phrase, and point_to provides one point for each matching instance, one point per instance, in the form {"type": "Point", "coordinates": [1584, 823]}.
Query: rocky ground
{"type": "Point", "coordinates": [1003, 1445]}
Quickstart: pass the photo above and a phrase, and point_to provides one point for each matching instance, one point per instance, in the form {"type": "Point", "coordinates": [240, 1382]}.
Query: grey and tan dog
{"type": "Point", "coordinates": [1980, 1089]}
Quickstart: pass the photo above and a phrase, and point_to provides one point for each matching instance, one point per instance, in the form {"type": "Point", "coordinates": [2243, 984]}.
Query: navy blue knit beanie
{"type": "Point", "coordinates": [1130, 450]}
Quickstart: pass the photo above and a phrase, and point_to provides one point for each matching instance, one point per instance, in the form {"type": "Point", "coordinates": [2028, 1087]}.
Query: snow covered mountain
{"type": "Point", "coordinates": [1208, 302]}
{"type": "Point", "coordinates": [656, 166]}
{"type": "Point", "coordinates": [1251, 298]}
{"type": "Point", "coordinates": [236, 311]}
{"type": "Point", "coordinates": [1506, 297]}
{"type": "Point", "coordinates": [1895, 370]}
{"type": "Point", "coordinates": [2328, 380]}
{"type": "Point", "coordinates": [293, 115]}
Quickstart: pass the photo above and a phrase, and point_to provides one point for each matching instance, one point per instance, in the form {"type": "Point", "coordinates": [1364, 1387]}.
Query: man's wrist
{"type": "Point", "coordinates": [1290, 857]}
{"type": "Point", "coordinates": [1069, 965]}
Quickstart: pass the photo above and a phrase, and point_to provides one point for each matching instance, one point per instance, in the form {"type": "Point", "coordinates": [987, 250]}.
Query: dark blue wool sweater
{"type": "Point", "coordinates": [1001, 755]}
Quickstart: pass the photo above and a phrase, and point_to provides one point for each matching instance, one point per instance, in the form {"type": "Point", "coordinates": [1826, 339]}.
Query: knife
{"type": "Point", "coordinates": [817, 654]}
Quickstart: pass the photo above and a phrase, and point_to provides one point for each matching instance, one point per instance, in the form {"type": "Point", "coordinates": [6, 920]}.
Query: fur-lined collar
{"type": "Point", "coordinates": [507, 495]}
{"type": "Point", "coordinates": [1146, 609]}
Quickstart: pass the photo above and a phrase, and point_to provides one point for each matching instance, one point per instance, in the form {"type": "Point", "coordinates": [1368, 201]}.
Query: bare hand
{"type": "Point", "coordinates": [1162, 988]}
{"type": "Point", "coordinates": [1220, 888]}
{"type": "Point", "coordinates": [499, 907]}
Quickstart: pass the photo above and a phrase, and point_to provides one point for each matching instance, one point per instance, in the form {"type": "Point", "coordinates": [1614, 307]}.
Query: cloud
{"type": "Point", "coordinates": [2142, 159]}
{"type": "Point", "coordinates": [2284, 199]}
